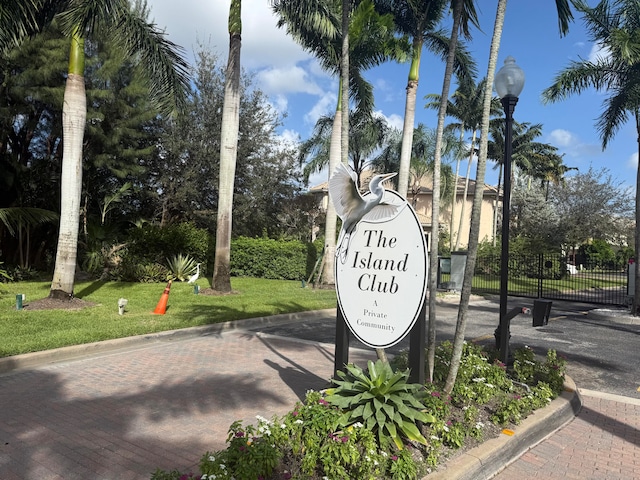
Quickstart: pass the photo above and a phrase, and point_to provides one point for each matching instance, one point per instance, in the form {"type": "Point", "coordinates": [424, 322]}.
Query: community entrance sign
{"type": "Point", "coordinates": [381, 281]}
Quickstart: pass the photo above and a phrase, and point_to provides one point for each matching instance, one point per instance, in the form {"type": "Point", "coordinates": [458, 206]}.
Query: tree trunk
{"type": "Point", "coordinates": [466, 191]}
{"type": "Point", "coordinates": [495, 210]}
{"type": "Point", "coordinates": [328, 268]}
{"type": "Point", "coordinates": [435, 198]}
{"type": "Point", "coordinates": [409, 119]}
{"type": "Point", "coordinates": [474, 232]}
{"type": "Point", "coordinates": [228, 153]}
{"type": "Point", "coordinates": [454, 195]}
{"type": "Point", "coordinates": [74, 117]}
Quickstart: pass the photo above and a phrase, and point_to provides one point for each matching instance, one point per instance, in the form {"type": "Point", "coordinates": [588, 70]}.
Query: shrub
{"type": "Point", "coordinates": [382, 400]}
{"type": "Point", "coordinates": [152, 243]}
{"type": "Point", "coordinates": [304, 444]}
{"type": "Point", "coordinates": [268, 258]}
{"type": "Point", "coordinates": [181, 267]}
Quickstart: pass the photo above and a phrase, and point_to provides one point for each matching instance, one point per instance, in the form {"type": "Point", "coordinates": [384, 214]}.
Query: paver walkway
{"type": "Point", "coordinates": [122, 415]}
{"type": "Point", "coordinates": [602, 443]}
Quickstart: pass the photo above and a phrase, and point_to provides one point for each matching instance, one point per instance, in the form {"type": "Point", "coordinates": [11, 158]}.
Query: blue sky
{"type": "Point", "coordinates": [298, 87]}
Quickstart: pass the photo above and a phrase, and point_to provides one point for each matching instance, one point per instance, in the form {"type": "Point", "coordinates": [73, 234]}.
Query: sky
{"type": "Point", "coordinates": [298, 88]}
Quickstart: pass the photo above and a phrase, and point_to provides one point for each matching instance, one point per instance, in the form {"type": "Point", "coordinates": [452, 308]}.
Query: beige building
{"type": "Point", "coordinates": [421, 197]}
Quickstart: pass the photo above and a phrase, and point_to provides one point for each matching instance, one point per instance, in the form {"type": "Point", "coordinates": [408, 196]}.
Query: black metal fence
{"type": "Point", "coordinates": [550, 276]}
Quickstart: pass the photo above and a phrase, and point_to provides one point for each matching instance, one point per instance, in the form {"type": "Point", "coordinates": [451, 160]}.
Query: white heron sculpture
{"type": "Point", "coordinates": [352, 207]}
{"type": "Point", "coordinates": [195, 276]}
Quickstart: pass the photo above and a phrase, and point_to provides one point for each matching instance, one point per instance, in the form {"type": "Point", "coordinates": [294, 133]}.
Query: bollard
{"type": "Point", "coordinates": [196, 289]}
{"type": "Point", "coordinates": [19, 300]}
{"type": "Point", "coordinates": [121, 304]}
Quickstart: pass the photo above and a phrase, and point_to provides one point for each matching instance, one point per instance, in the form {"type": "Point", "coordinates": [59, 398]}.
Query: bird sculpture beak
{"type": "Point", "coordinates": [388, 176]}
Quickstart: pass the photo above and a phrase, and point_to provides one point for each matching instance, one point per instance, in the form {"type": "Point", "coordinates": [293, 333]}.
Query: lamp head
{"type": "Point", "coordinates": [509, 80]}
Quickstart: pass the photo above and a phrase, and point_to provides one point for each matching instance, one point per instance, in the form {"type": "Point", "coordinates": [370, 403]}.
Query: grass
{"type": "Point", "coordinates": [24, 331]}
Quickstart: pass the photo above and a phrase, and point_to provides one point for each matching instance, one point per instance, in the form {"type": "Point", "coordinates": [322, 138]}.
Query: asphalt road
{"type": "Point", "coordinates": [602, 354]}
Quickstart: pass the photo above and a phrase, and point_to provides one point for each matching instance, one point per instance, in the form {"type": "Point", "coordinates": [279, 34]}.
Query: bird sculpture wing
{"type": "Point", "coordinates": [344, 191]}
{"type": "Point", "coordinates": [382, 211]}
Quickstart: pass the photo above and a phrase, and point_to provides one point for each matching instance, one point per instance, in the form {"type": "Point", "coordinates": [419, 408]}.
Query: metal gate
{"type": "Point", "coordinates": [553, 277]}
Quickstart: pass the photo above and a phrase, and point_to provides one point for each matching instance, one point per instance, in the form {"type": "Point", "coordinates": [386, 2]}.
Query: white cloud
{"type": "Point", "coordinates": [263, 44]}
{"type": "Point", "coordinates": [324, 106]}
{"type": "Point", "coordinates": [290, 137]}
{"type": "Point", "coordinates": [569, 143]}
{"type": "Point", "coordinates": [599, 52]}
{"type": "Point", "coordinates": [291, 79]}
{"type": "Point", "coordinates": [633, 161]}
{"type": "Point", "coordinates": [563, 138]}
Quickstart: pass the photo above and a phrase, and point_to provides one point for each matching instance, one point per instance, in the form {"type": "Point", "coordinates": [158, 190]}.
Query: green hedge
{"type": "Point", "coordinates": [153, 243]}
{"type": "Point", "coordinates": [273, 259]}
{"type": "Point", "coordinates": [150, 246]}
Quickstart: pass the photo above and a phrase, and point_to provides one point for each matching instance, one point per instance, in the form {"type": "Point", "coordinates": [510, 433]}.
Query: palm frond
{"type": "Point", "coordinates": [15, 217]}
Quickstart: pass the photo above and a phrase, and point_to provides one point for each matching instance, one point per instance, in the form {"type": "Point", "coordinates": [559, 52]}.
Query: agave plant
{"type": "Point", "coordinates": [181, 267]}
{"type": "Point", "coordinates": [382, 400]}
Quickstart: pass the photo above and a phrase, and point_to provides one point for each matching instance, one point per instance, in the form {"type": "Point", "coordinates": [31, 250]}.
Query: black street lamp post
{"type": "Point", "coordinates": [508, 82]}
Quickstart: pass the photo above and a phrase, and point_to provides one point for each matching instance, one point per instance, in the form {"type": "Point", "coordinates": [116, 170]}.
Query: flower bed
{"type": "Point", "coordinates": [376, 425]}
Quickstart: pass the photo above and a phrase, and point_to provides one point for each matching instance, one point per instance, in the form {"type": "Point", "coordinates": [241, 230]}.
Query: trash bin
{"type": "Point", "coordinates": [541, 312]}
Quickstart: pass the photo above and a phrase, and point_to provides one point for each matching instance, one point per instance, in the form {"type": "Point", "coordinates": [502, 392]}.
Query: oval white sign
{"type": "Point", "coordinates": [382, 281]}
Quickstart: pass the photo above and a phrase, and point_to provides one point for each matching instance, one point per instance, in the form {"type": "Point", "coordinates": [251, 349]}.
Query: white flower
{"type": "Point", "coordinates": [489, 385]}
{"type": "Point", "coordinates": [358, 425]}
{"type": "Point", "coordinates": [222, 466]}
{"type": "Point", "coordinates": [445, 428]}
{"type": "Point", "coordinates": [384, 454]}
{"type": "Point", "coordinates": [204, 477]}
{"type": "Point", "coordinates": [212, 458]}
{"type": "Point", "coordinates": [299, 421]}
{"type": "Point", "coordinates": [434, 437]}
{"type": "Point", "coordinates": [283, 426]}
{"type": "Point", "coordinates": [479, 379]}
{"type": "Point", "coordinates": [479, 425]}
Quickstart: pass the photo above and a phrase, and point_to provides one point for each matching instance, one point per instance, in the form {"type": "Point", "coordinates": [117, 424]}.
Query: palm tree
{"type": "Point", "coordinates": [23, 19]}
{"type": "Point", "coordinates": [527, 155]}
{"type": "Point", "coordinates": [564, 17]}
{"type": "Point", "coordinates": [317, 26]}
{"type": "Point", "coordinates": [423, 153]}
{"type": "Point", "coordinates": [419, 20]}
{"type": "Point", "coordinates": [614, 26]}
{"type": "Point", "coordinates": [166, 73]}
{"type": "Point", "coordinates": [228, 153]}
{"type": "Point", "coordinates": [466, 107]}
{"type": "Point", "coordinates": [18, 222]}
{"type": "Point", "coordinates": [367, 132]}
{"type": "Point", "coordinates": [160, 59]}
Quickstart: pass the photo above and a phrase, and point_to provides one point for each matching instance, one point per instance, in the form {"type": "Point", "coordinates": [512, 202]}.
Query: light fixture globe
{"type": "Point", "coordinates": [509, 80]}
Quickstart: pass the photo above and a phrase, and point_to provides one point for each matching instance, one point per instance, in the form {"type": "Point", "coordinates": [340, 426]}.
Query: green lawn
{"type": "Point", "coordinates": [25, 331]}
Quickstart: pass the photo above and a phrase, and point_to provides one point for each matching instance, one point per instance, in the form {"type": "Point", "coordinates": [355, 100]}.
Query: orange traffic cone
{"type": "Point", "coordinates": [161, 308]}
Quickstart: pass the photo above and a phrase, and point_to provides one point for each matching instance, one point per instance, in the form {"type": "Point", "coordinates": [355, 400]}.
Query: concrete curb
{"type": "Point", "coordinates": [34, 359]}
{"type": "Point", "coordinates": [486, 460]}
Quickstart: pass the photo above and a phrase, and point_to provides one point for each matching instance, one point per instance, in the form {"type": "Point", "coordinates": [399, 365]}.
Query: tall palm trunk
{"type": "Point", "coordinates": [454, 192]}
{"type": "Point", "coordinates": [495, 210]}
{"type": "Point", "coordinates": [409, 117]}
{"type": "Point", "coordinates": [474, 231]}
{"type": "Point", "coordinates": [74, 116]}
{"type": "Point", "coordinates": [463, 207]}
{"type": "Point", "coordinates": [328, 268]}
{"type": "Point", "coordinates": [435, 198]}
{"type": "Point", "coordinates": [228, 153]}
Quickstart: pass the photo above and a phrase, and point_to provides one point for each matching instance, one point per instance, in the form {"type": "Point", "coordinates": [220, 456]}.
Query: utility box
{"type": "Point", "coordinates": [458, 263]}
{"type": "Point", "coordinates": [541, 312]}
